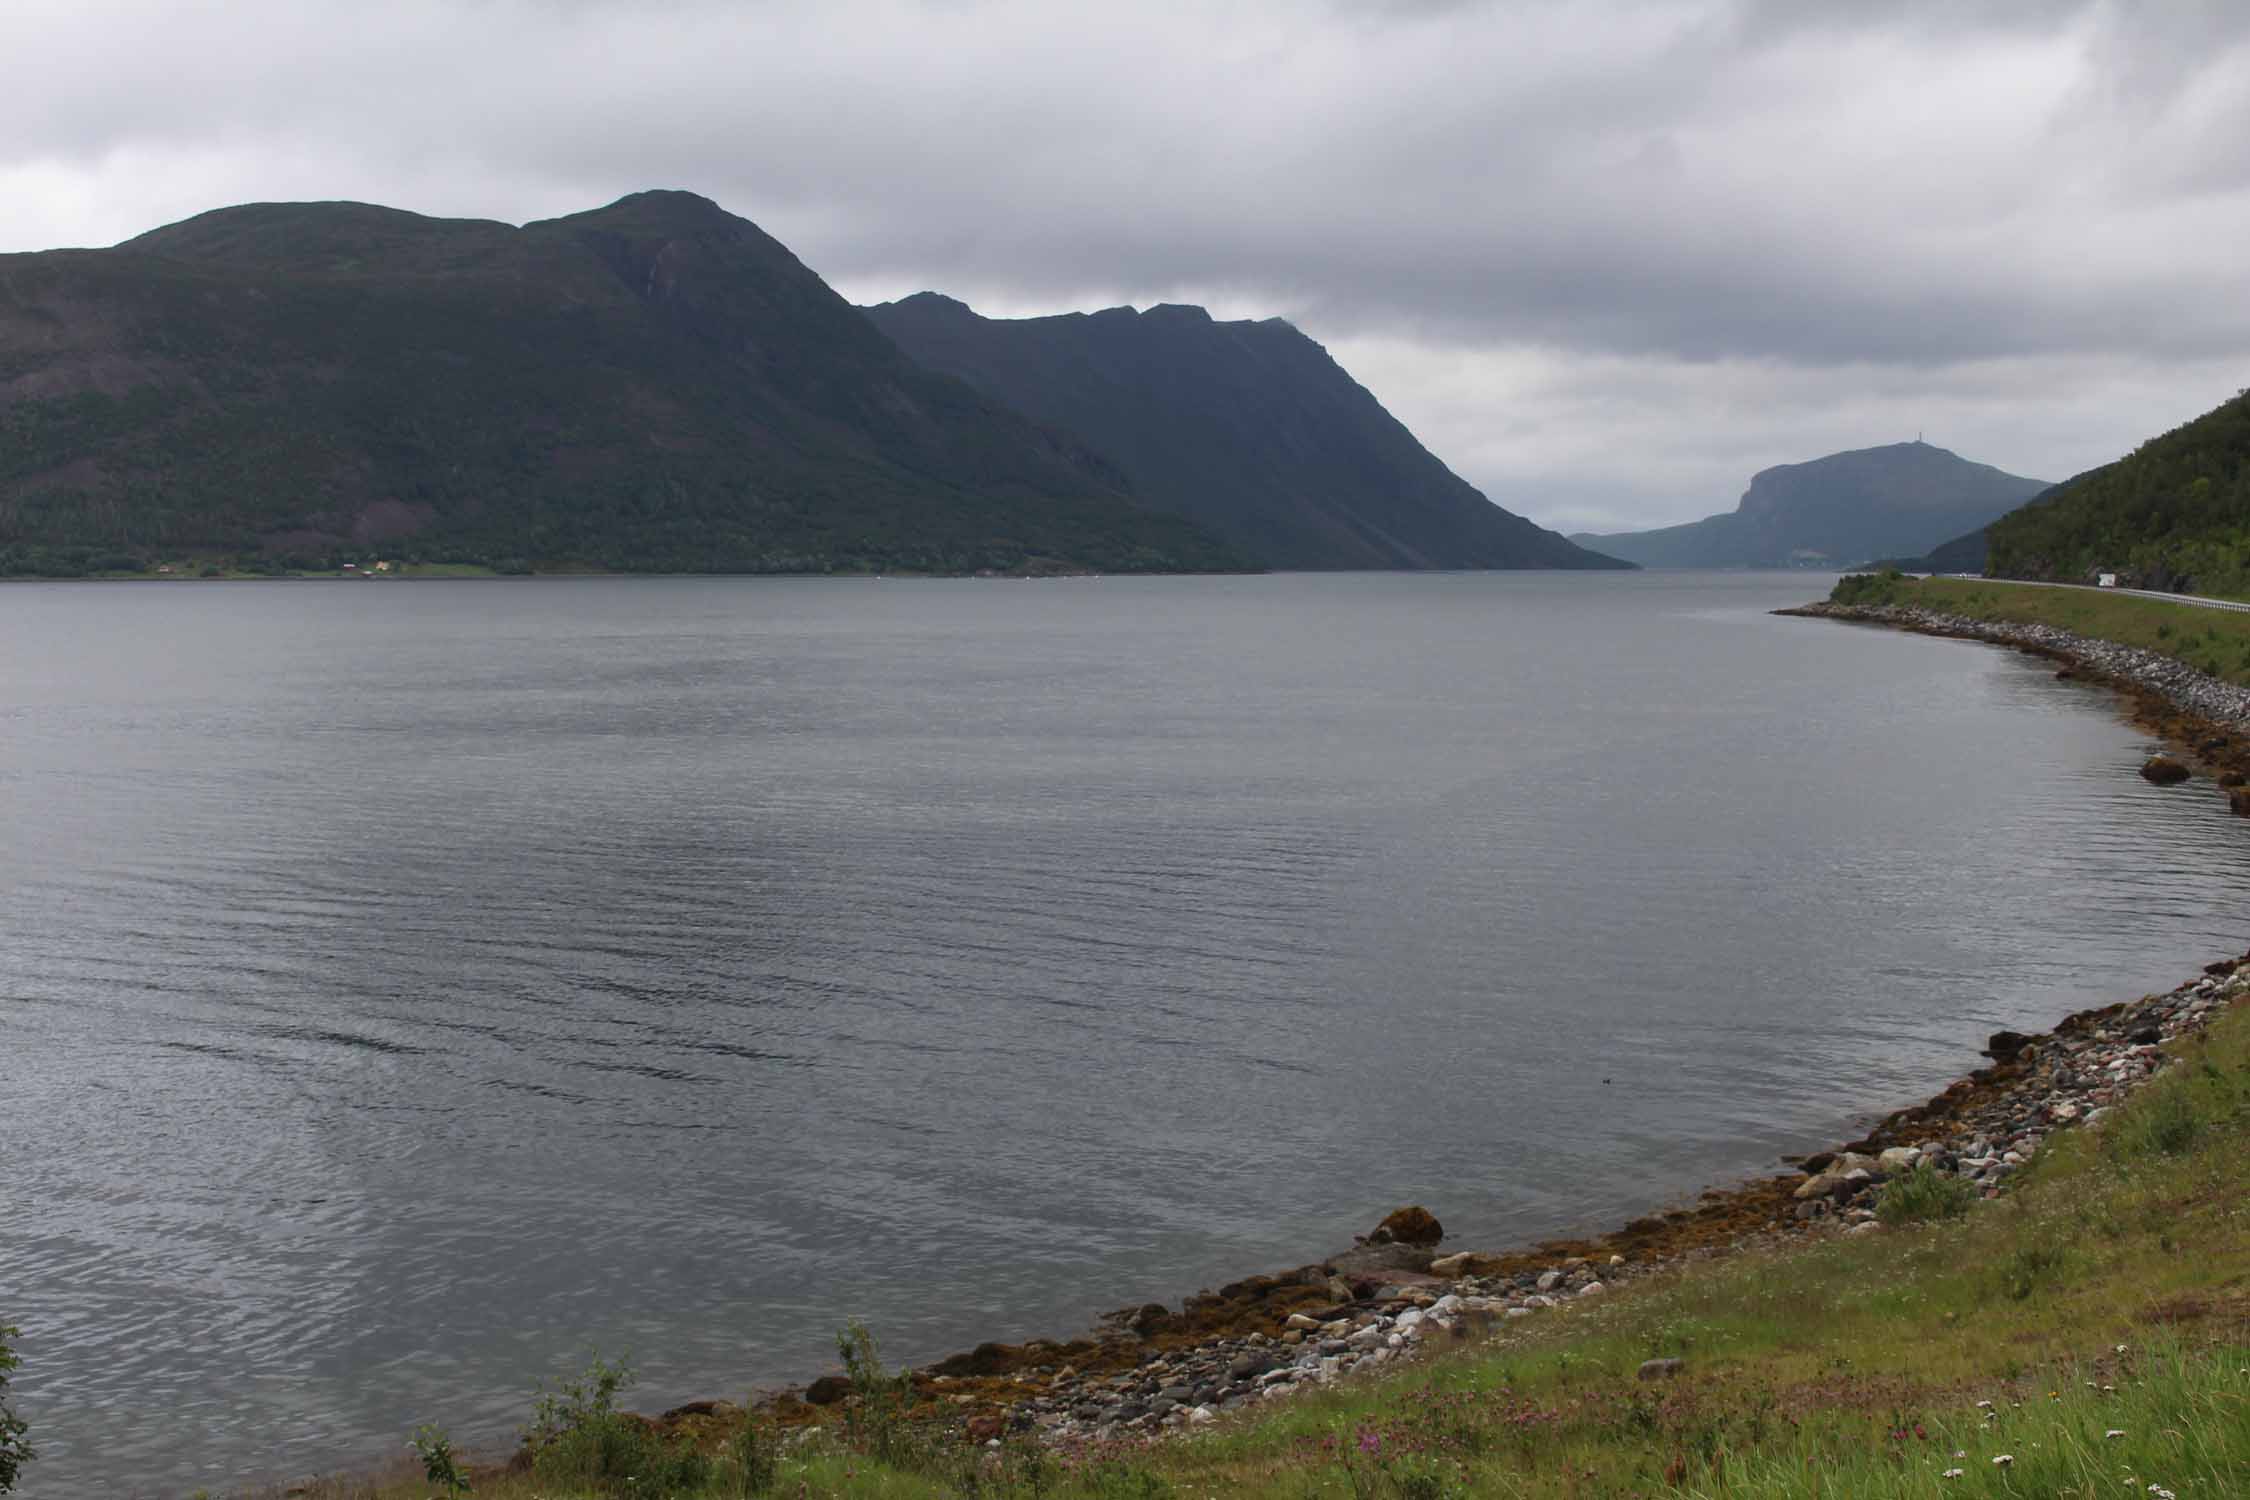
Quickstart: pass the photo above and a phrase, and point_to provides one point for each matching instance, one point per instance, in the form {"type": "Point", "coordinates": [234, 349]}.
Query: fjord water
{"type": "Point", "coordinates": [406, 987]}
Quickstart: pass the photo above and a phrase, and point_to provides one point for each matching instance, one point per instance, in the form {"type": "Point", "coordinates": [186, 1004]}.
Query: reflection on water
{"type": "Point", "coordinates": [406, 986]}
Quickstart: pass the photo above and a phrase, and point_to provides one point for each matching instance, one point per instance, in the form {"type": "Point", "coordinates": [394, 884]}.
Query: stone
{"type": "Point", "coordinates": [1869, 1226]}
{"type": "Point", "coordinates": [1452, 1266]}
{"type": "Point", "coordinates": [1549, 1280]}
{"type": "Point", "coordinates": [1659, 1369]}
{"type": "Point", "coordinates": [1898, 1160]}
{"type": "Point", "coordinates": [1413, 1225]}
{"type": "Point", "coordinates": [1591, 1289]}
{"type": "Point", "coordinates": [2162, 770]}
{"type": "Point", "coordinates": [1300, 1322]}
{"type": "Point", "coordinates": [828, 1390]}
{"type": "Point", "coordinates": [2003, 1045]}
{"type": "Point", "coordinates": [1411, 1318]}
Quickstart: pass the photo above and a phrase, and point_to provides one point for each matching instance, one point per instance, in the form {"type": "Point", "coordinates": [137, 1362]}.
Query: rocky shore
{"type": "Point", "coordinates": [2208, 721]}
{"type": "Point", "coordinates": [1392, 1296]}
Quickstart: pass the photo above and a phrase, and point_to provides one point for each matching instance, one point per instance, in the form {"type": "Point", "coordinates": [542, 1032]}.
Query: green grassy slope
{"type": "Point", "coordinates": [656, 384]}
{"type": "Point", "coordinates": [2212, 641]}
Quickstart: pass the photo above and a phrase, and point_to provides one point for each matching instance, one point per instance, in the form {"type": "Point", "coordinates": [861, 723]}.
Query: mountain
{"type": "Point", "coordinates": [2172, 514]}
{"type": "Point", "coordinates": [653, 385]}
{"type": "Point", "coordinates": [1846, 508]}
{"type": "Point", "coordinates": [1248, 429]}
{"type": "Point", "coordinates": [1964, 554]}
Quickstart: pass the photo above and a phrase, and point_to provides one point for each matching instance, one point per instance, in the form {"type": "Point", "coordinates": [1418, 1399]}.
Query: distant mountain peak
{"type": "Point", "coordinates": [1898, 499]}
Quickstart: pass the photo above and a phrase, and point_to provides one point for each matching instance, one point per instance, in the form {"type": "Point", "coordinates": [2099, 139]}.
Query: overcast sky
{"type": "Point", "coordinates": [1606, 259]}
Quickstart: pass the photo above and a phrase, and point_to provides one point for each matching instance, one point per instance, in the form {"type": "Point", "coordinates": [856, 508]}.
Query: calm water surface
{"type": "Point", "coordinates": [406, 986]}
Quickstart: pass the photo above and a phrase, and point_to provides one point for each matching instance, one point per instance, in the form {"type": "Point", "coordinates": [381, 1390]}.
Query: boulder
{"type": "Point", "coordinates": [828, 1390]}
{"type": "Point", "coordinates": [1372, 1257]}
{"type": "Point", "coordinates": [1413, 1225]}
{"type": "Point", "coordinates": [2003, 1045]}
{"type": "Point", "coordinates": [1898, 1160]}
{"type": "Point", "coordinates": [2238, 802]}
{"type": "Point", "coordinates": [2164, 771]}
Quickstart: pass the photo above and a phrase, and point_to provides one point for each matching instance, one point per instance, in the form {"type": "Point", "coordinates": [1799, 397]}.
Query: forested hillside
{"type": "Point", "coordinates": [652, 385]}
{"type": "Point", "coordinates": [2172, 514]}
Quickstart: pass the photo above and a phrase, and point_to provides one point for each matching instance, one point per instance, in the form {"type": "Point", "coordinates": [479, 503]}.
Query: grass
{"type": "Point", "coordinates": [2212, 641]}
{"type": "Point", "coordinates": [2092, 1328]}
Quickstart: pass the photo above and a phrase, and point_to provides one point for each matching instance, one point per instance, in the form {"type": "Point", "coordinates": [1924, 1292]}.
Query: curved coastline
{"type": "Point", "coordinates": [1150, 1368]}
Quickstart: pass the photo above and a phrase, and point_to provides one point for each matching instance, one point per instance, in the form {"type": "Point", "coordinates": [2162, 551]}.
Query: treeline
{"type": "Point", "coordinates": [2173, 514]}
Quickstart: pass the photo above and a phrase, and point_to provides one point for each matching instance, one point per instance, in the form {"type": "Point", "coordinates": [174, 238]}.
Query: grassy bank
{"type": "Point", "coordinates": [2088, 1330]}
{"type": "Point", "coordinates": [2214, 641]}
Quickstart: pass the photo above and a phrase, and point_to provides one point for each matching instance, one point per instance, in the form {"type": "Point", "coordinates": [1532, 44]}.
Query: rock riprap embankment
{"type": "Point", "coordinates": [2131, 667]}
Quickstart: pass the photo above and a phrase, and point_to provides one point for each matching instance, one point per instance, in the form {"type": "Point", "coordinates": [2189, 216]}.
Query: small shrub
{"type": "Point", "coordinates": [2164, 1122]}
{"type": "Point", "coordinates": [756, 1452]}
{"type": "Point", "coordinates": [875, 1421]}
{"type": "Point", "coordinates": [1127, 1482]}
{"type": "Point", "coordinates": [2031, 1268]}
{"type": "Point", "coordinates": [1922, 1195]}
{"type": "Point", "coordinates": [578, 1436]}
{"type": "Point", "coordinates": [439, 1463]}
{"type": "Point", "coordinates": [15, 1451]}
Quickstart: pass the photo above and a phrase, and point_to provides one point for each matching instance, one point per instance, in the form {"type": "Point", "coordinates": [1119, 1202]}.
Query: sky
{"type": "Point", "coordinates": [1607, 259]}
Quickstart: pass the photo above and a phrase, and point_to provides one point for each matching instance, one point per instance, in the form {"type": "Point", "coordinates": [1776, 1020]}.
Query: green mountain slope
{"type": "Point", "coordinates": [1898, 500]}
{"type": "Point", "coordinates": [652, 385]}
{"type": "Point", "coordinates": [1249, 429]}
{"type": "Point", "coordinates": [2172, 514]}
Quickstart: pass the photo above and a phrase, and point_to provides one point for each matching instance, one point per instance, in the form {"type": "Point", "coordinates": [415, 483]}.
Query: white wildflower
{"type": "Point", "coordinates": [1953, 1473]}
{"type": "Point", "coordinates": [2114, 1432]}
{"type": "Point", "coordinates": [2002, 1460]}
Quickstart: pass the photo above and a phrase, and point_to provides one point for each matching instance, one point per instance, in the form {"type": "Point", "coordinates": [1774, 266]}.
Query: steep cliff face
{"type": "Point", "coordinates": [1894, 501]}
{"type": "Point", "coordinates": [655, 384]}
{"type": "Point", "coordinates": [1249, 429]}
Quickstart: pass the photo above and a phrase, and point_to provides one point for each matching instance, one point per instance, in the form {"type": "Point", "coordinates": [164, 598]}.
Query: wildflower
{"type": "Point", "coordinates": [2002, 1460]}
{"type": "Point", "coordinates": [2121, 1350]}
{"type": "Point", "coordinates": [2114, 1432]}
{"type": "Point", "coordinates": [1960, 1453]}
{"type": "Point", "coordinates": [1953, 1473]}
{"type": "Point", "coordinates": [2162, 1493]}
{"type": "Point", "coordinates": [1984, 1406]}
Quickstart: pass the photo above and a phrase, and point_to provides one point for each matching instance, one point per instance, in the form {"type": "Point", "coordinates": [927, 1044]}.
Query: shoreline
{"type": "Point", "coordinates": [1143, 1373]}
{"type": "Point", "coordinates": [1153, 1368]}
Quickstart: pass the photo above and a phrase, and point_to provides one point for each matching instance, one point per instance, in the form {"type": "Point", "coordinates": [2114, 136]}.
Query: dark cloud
{"type": "Point", "coordinates": [1552, 229]}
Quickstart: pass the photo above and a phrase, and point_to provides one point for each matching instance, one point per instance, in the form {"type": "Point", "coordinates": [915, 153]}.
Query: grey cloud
{"type": "Point", "coordinates": [1840, 192]}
